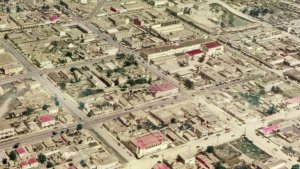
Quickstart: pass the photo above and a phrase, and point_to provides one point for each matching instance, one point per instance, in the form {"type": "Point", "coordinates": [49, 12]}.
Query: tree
{"type": "Point", "coordinates": [219, 166]}
{"type": "Point", "coordinates": [81, 105]}
{"type": "Point", "coordinates": [62, 85]}
{"type": "Point", "coordinates": [296, 166]}
{"type": "Point", "coordinates": [210, 149]}
{"type": "Point", "coordinates": [4, 161]}
{"type": "Point", "coordinates": [68, 54]}
{"type": "Point", "coordinates": [18, 9]}
{"type": "Point", "coordinates": [262, 92]}
{"type": "Point", "coordinates": [275, 89]}
{"type": "Point", "coordinates": [12, 155]}
{"type": "Point", "coordinates": [49, 164]}
{"type": "Point", "coordinates": [82, 163]}
{"type": "Point", "coordinates": [28, 111]}
{"type": "Point", "coordinates": [45, 106]}
{"type": "Point", "coordinates": [73, 69]}
{"type": "Point", "coordinates": [231, 19]}
{"type": "Point", "coordinates": [90, 114]}
{"type": "Point", "coordinates": [202, 59]}
{"type": "Point", "coordinates": [189, 84]}
{"type": "Point", "coordinates": [272, 109]}
{"type": "Point", "coordinates": [173, 120]}
{"type": "Point", "coordinates": [6, 36]}
{"type": "Point", "coordinates": [42, 158]}
{"type": "Point", "coordinates": [79, 127]}
{"type": "Point", "coordinates": [8, 10]}
{"type": "Point", "coordinates": [87, 92]}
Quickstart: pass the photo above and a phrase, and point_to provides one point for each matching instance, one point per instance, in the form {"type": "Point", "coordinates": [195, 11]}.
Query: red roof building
{"type": "Point", "coordinates": [163, 89]}
{"type": "Point", "coordinates": [24, 165]}
{"type": "Point", "coordinates": [213, 48]}
{"type": "Point", "coordinates": [21, 151]}
{"type": "Point", "coordinates": [53, 18]}
{"type": "Point", "coordinates": [46, 120]}
{"type": "Point", "coordinates": [138, 22]}
{"type": "Point", "coordinates": [32, 161]}
{"type": "Point", "coordinates": [149, 140]}
{"type": "Point", "coordinates": [150, 143]}
{"type": "Point", "coordinates": [161, 166]}
{"type": "Point", "coordinates": [211, 45]}
{"type": "Point", "coordinates": [196, 52]}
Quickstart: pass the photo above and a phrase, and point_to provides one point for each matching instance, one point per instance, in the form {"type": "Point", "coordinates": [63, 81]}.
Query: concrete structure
{"type": "Point", "coordinates": [8, 64]}
{"type": "Point", "coordinates": [149, 144]}
{"type": "Point", "coordinates": [6, 130]}
{"type": "Point", "coordinates": [187, 158]}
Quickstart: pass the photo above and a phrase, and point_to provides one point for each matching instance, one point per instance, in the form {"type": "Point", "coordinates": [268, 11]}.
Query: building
{"type": "Point", "coordinates": [21, 152]}
{"type": "Point", "coordinates": [46, 120]}
{"type": "Point", "coordinates": [9, 65]}
{"type": "Point", "coordinates": [213, 48]}
{"type": "Point", "coordinates": [293, 102]}
{"type": "Point", "coordinates": [149, 144]}
{"type": "Point", "coordinates": [195, 54]}
{"type": "Point", "coordinates": [6, 130]}
{"type": "Point", "coordinates": [161, 166]}
{"type": "Point", "coordinates": [187, 158]}
{"type": "Point", "coordinates": [167, 50]}
{"type": "Point", "coordinates": [163, 90]}
{"type": "Point", "coordinates": [33, 162]}
{"type": "Point", "coordinates": [158, 2]}
{"type": "Point", "coordinates": [24, 165]}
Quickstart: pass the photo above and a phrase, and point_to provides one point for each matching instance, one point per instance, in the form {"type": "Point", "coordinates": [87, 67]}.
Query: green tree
{"type": "Point", "coordinates": [189, 84]}
{"type": "Point", "coordinates": [45, 106]}
{"type": "Point", "coordinates": [262, 92]}
{"type": "Point", "coordinates": [68, 54]}
{"type": "Point", "coordinates": [82, 163]}
{"type": "Point", "coordinates": [272, 109]}
{"type": "Point", "coordinates": [8, 10]}
{"type": "Point", "coordinates": [81, 105]}
{"type": "Point", "coordinates": [28, 111]}
{"type": "Point", "coordinates": [18, 9]}
{"type": "Point", "coordinates": [296, 166]}
{"type": "Point", "coordinates": [219, 166]}
{"type": "Point", "coordinates": [275, 89]}
{"type": "Point", "coordinates": [73, 69]}
{"type": "Point", "coordinates": [49, 164]}
{"type": "Point", "coordinates": [173, 120]}
{"type": "Point", "coordinates": [6, 36]}
{"type": "Point", "coordinates": [87, 92]}
{"type": "Point", "coordinates": [62, 85]}
{"type": "Point", "coordinates": [210, 149]}
{"type": "Point", "coordinates": [79, 126]}
{"type": "Point", "coordinates": [42, 158]}
{"type": "Point", "coordinates": [12, 155]}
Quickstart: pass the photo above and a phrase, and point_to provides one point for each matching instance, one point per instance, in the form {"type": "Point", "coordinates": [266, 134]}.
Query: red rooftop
{"type": "Point", "coordinates": [161, 87]}
{"type": "Point", "coordinates": [149, 140]}
{"type": "Point", "coordinates": [211, 45]}
{"type": "Point", "coordinates": [194, 52]}
{"type": "Point", "coordinates": [45, 118]}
